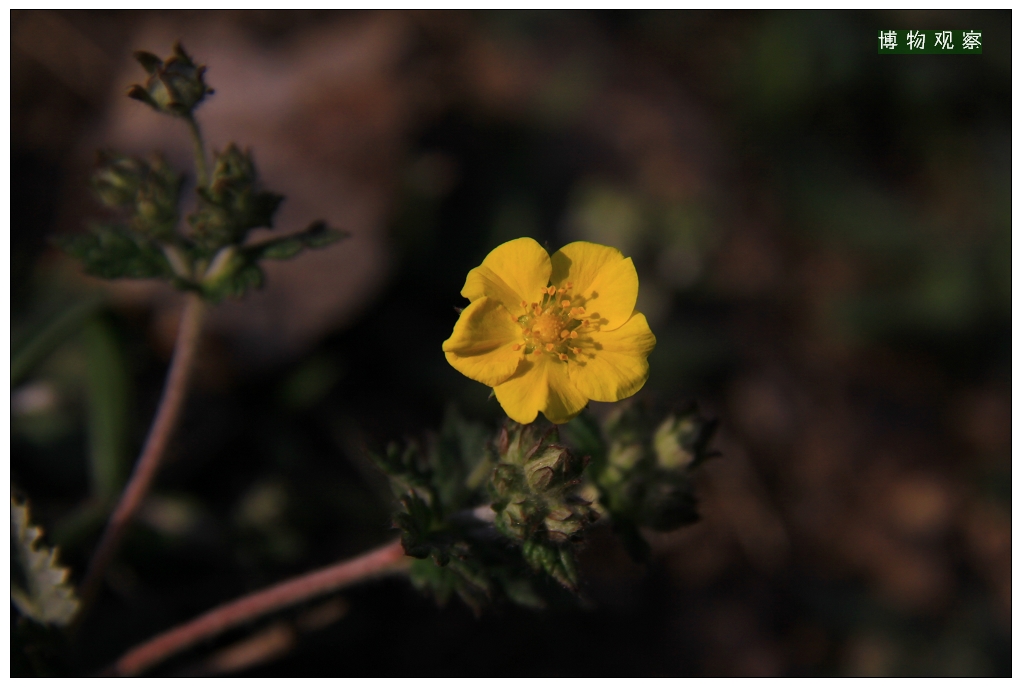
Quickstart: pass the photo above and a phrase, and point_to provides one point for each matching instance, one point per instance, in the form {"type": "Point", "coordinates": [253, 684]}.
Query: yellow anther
{"type": "Point", "coordinates": [551, 290]}
{"type": "Point", "coordinates": [568, 284]}
{"type": "Point", "coordinates": [574, 335]}
{"type": "Point", "coordinates": [516, 347]}
{"type": "Point", "coordinates": [581, 310]}
{"type": "Point", "coordinates": [576, 350]}
{"type": "Point", "coordinates": [550, 347]}
{"type": "Point", "coordinates": [524, 304]}
{"type": "Point", "coordinates": [562, 356]}
{"type": "Point", "coordinates": [565, 303]}
{"type": "Point", "coordinates": [565, 333]}
{"type": "Point", "coordinates": [537, 351]}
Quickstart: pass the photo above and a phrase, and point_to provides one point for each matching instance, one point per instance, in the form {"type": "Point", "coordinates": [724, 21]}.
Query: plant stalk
{"type": "Point", "coordinates": [152, 453]}
{"type": "Point", "coordinates": [201, 171]}
{"type": "Point", "coordinates": [385, 559]}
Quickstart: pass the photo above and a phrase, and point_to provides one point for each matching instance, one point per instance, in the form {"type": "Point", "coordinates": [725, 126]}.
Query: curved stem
{"type": "Point", "coordinates": [384, 559]}
{"type": "Point", "coordinates": [201, 172]}
{"type": "Point", "coordinates": [152, 453]}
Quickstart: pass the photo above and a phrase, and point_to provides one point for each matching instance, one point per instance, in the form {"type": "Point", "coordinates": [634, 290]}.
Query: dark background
{"type": "Point", "coordinates": [822, 237]}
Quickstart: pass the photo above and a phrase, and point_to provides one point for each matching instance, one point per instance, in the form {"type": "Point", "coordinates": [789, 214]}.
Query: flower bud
{"type": "Point", "coordinates": [174, 86]}
{"type": "Point", "coordinates": [232, 204]}
{"type": "Point", "coordinates": [645, 479]}
{"type": "Point", "coordinates": [534, 486]}
{"type": "Point", "coordinates": [149, 188]}
{"type": "Point", "coordinates": [117, 180]}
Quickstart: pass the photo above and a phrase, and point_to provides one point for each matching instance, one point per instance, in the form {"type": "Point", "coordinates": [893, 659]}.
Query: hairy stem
{"type": "Point", "coordinates": [201, 171]}
{"type": "Point", "coordinates": [152, 453]}
{"type": "Point", "coordinates": [325, 580]}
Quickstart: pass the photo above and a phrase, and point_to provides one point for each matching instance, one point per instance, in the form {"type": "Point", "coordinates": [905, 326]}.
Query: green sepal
{"type": "Point", "coordinates": [39, 585]}
{"type": "Point", "coordinates": [140, 94]}
{"type": "Point", "coordinates": [556, 561]}
{"type": "Point", "coordinates": [150, 62]}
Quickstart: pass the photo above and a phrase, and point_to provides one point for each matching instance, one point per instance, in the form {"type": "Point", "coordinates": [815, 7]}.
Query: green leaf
{"type": "Point", "coordinates": [107, 393]}
{"type": "Point", "coordinates": [112, 252]}
{"type": "Point", "coordinates": [456, 453]}
{"type": "Point", "coordinates": [318, 235]}
{"type": "Point", "coordinates": [39, 586]}
{"type": "Point", "coordinates": [34, 348]}
{"type": "Point", "coordinates": [423, 531]}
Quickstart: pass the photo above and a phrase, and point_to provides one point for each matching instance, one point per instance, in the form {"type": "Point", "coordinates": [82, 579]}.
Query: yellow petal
{"type": "Point", "coordinates": [591, 268]}
{"type": "Point", "coordinates": [513, 272]}
{"type": "Point", "coordinates": [618, 367]}
{"type": "Point", "coordinates": [540, 383]}
{"type": "Point", "coordinates": [481, 345]}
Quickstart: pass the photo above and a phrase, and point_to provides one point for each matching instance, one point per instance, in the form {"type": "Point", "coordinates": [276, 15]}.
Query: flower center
{"type": "Point", "coordinates": [557, 324]}
{"type": "Point", "coordinates": [547, 327]}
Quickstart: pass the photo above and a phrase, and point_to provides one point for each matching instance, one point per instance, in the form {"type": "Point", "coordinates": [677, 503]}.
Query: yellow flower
{"type": "Point", "coordinates": [550, 333]}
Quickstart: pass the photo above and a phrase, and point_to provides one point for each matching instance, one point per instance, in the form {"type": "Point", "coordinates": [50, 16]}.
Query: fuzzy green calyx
{"type": "Point", "coordinates": [175, 86]}
{"type": "Point", "coordinates": [534, 486]}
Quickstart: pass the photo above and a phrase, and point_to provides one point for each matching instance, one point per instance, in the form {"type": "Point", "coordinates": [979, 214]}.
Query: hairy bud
{"type": "Point", "coordinates": [175, 86]}
{"type": "Point", "coordinates": [644, 477]}
{"type": "Point", "coordinates": [233, 204]}
{"type": "Point", "coordinates": [534, 486]}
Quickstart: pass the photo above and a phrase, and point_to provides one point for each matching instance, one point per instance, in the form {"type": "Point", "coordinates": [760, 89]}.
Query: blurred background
{"type": "Point", "coordinates": [822, 237]}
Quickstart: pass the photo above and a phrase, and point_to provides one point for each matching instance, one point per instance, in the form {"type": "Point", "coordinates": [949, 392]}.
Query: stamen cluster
{"type": "Point", "coordinates": [557, 324]}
